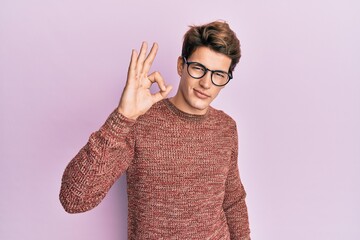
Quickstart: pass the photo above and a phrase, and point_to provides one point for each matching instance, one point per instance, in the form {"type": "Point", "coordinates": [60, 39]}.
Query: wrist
{"type": "Point", "coordinates": [130, 116]}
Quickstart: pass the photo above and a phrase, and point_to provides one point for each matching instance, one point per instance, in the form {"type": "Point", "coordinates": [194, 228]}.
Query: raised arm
{"type": "Point", "coordinates": [110, 150]}
{"type": "Point", "coordinates": [90, 174]}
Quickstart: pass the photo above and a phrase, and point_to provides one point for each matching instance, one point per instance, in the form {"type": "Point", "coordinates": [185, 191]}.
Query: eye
{"type": "Point", "coordinates": [197, 67]}
{"type": "Point", "coordinates": [220, 74]}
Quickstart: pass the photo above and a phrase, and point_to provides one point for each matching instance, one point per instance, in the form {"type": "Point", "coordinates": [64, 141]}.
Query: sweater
{"type": "Point", "coordinates": [182, 174]}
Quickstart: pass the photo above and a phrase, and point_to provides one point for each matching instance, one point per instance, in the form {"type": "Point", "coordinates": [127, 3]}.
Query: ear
{"type": "Point", "coordinates": [180, 65]}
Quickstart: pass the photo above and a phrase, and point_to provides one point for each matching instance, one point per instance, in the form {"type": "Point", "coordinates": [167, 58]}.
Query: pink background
{"type": "Point", "coordinates": [295, 97]}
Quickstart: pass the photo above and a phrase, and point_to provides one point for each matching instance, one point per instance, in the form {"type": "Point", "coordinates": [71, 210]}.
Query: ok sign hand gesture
{"type": "Point", "coordinates": [136, 98]}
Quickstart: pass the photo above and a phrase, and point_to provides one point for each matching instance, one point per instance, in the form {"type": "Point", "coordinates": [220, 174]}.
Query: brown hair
{"type": "Point", "coordinates": [217, 36]}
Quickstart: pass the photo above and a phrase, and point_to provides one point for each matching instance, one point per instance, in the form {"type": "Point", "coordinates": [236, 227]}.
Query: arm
{"type": "Point", "coordinates": [234, 202]}
{"type": "Point", "coordinates": [91, 173]}
{"type": "Point", "coordinates": [109, 151]}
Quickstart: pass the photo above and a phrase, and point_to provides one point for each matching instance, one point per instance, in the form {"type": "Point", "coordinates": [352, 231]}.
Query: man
{"type": "Point", "coordinates": [180, 154]}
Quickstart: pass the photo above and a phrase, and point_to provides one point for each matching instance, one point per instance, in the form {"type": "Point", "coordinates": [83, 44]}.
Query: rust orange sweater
{"type": "Point", "coordinates": [182, 174]}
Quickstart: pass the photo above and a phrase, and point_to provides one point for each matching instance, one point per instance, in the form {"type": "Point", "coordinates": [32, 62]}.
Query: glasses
{"type": "Point", "coordinates": [197, 70]}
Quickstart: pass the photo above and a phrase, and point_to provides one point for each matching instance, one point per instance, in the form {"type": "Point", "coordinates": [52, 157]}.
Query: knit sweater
{"type": "Point", "coordinates": [182, 174]}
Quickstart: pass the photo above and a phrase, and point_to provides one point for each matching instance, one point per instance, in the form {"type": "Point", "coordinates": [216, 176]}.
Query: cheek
{"type": "Point", "coordinates": [184, 83]}
{"type": "Point", "coordinates": [216, 91]}
{"type": "Point", "coordinates": [187, 81]}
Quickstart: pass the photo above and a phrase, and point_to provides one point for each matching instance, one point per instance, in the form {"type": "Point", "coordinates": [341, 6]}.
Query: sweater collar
{"type": "Point", "coordinates": [185, 115]}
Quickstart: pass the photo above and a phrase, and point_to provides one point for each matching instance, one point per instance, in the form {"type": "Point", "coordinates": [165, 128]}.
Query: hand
{"type": "Point", "coordinates": [136, 98]}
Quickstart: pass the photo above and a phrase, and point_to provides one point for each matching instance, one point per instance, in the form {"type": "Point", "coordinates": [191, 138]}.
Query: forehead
{"type": "Point", "coordinates": [211, 59]}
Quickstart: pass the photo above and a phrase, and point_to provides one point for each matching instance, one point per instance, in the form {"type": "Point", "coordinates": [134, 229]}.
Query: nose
{"type": "Point", "coordinates": [205, 81]}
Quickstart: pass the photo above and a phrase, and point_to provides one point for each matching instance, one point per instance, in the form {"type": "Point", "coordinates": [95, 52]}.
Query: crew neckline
{"type": "Point", "coordinates": [185, 115]}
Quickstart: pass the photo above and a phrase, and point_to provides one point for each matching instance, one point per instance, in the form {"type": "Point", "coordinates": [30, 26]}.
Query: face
{"type": "Point", "coordinates": [195, 95]}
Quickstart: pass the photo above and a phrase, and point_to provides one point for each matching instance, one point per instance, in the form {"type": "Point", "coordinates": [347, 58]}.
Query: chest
{"type": "Point", "coordinates": [183, 153]}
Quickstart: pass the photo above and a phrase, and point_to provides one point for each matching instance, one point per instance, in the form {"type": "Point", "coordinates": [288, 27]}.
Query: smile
{"type": "Point", "coordinates": [200, 94]}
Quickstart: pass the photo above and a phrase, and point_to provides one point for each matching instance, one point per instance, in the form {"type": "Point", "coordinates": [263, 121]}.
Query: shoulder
{"type": "Point", "coordinates": [155, 112]}
{"type": "Point", "coordinates": [221, 117]}
{"type": "Point", "coordinates": [225, 124]}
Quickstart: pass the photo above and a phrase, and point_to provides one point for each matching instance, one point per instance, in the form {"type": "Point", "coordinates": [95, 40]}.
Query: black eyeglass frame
{"type": "Point", "coordinates": [208, 70]}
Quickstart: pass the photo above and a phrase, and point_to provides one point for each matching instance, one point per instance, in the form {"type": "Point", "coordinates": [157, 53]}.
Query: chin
{"type": "Point", "coordinates": [200, 105]}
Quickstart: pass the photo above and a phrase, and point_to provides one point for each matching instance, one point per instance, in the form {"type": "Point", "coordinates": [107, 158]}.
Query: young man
{"type": "Point", "coordinates": [180, 154]}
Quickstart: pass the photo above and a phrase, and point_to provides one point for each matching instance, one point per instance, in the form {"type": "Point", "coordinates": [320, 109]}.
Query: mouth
{"type": "Point", "coordinates": [200, 94]}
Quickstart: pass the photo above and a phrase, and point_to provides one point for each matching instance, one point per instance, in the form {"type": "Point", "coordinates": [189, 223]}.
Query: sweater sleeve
{"type": "Point", "coordinates": [234, 201]}
{"type": "Point", "coordinates": [90, 174]}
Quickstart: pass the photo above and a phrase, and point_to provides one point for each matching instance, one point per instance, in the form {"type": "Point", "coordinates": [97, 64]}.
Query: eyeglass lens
{"type": "Point", "coordinates": [197, 70]}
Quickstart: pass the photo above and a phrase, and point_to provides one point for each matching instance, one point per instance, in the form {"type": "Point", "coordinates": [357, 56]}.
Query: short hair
{"type": "Point", "coordinates": [217, 36]}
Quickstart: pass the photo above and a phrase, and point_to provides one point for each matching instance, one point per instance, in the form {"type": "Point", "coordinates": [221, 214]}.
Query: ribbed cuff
{"type": "Point", "coordinates": [117, 124]}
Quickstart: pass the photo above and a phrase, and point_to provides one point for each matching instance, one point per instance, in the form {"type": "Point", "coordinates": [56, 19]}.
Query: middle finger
{"type": "Point", "coordinates": [150, 58]}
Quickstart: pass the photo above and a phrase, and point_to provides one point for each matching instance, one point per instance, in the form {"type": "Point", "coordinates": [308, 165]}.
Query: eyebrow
{"type": "Point", "coordinates": [206, 66]}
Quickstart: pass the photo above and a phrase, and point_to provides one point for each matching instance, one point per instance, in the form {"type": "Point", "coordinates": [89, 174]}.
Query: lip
{"type": "Point", "coordinates": [200, 94]}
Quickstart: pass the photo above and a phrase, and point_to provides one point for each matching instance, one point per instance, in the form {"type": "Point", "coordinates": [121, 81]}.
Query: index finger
{"type": "Point", "coordinates": [150, 58]}
{"type": "Point", "coordinates": [132, 65]}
